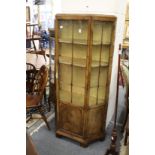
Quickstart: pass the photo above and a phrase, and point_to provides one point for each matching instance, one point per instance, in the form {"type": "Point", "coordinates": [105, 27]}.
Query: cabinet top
{"type": "Point", "coordinates": [86, 17]}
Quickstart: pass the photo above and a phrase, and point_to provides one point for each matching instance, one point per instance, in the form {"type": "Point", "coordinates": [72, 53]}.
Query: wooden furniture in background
{"type": "Point", "coordinates": [52, 91]}
{"type": "Point", "coordinates": [84, 52]}
{"type": "Point", "coordinates": [33, 36]}
{"type": "Point", "coordinates": [28, 14]}
{"type": "Point", "coordinates": [33, 100]}
{"type": "Point", "coordinates": [30, 77]}
{"type": "Point", "coordinates": [30, 149]}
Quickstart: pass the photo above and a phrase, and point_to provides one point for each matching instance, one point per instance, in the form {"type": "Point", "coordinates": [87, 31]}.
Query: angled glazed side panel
{"type": "Point", "coordinates": [110, 66]}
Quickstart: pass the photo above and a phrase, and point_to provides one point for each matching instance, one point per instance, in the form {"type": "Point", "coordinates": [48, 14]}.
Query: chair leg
{"type": "Point", "coordinates": [49, 103]}
{"type": "Point", "coordinates": [29, 118]}
{"type": "Point", "coordinates": [126, 137]}
{"type": "Point", "coordinates": [45, 96]}
{"type": "Point", "coordinates": [126, 117]}
{"type": "Point", "coordinates": [44, 118]}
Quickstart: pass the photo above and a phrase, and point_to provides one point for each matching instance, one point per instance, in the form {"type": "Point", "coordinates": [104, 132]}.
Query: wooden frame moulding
{"type": "Point", "coordinates": [72, 62]}
{"type": "Point", "coordinates": [57, 71]}
{"type": "Point", "coordinates": [87, 79]}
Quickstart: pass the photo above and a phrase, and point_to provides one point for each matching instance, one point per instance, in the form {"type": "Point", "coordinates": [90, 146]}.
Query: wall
{"type": "Point", "coordinates": [113, 7]}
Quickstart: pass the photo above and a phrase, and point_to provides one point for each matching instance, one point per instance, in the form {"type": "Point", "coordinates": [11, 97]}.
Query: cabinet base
{"type": "Point", "coordinates": [84, 142]}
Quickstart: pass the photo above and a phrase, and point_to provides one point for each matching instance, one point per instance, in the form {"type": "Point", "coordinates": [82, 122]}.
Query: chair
{"type": "Point", "coordinates": [32, 36]}
{"type": "Point", "coordinates": [30, 76]}
{"type": "Point", "coordinates": [33, 100]}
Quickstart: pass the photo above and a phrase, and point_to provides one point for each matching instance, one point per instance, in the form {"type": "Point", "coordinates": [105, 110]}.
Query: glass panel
{"type": "Point", "coordinates": [103, 76]}
{"type": "Point", "coordinates": [78, 88]}
{"type": "Point", "coordinates": [79, 55]}
{"type": "Point", "coordinates": [105, 54]}
{"type": "Point", "coordinates": [65, 50]}
{"type": "Point", "coordinates": [93, 86]}
{"type": "Point", "coordinates": [93, 96]}
{"type": "Point", "coordinates": [80, 32]}
{"type": "Point", "coordinates": [78, 76]}
{"type": "Point", "coordinates": [96, 53]}
{"type": "Point", "coordinates": [102, 85]}
{"type": "Point", "coordinates": [63, 77]}
{"type": "Point", "coordinates": [94, 77]}
{"type": "Point", "coordinates": [101, 95]}
{"type": "Point", "coordinates": [65, 31]}
{"type": "Point", "coordinates": [107, 31]}
{"type": "Point", "coordinates": [97, 31]}
{"type": "Point", "coordinates": [65, 92]}
{"type": "Point", "coordinates": [79, 51]}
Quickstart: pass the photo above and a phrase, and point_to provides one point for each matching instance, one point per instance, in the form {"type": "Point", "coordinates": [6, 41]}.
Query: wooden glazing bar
{"type": "Point", "coordinates": [87, 78]}
{"type": "Point", "coordinates": [87, 70]}
{"type": "Point", "coordinates": [72, 62]}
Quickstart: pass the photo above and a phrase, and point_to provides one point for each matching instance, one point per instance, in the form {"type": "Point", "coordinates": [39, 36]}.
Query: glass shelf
{"type": "Point", "coordinates": [83, 42]}
{"type": "Point", "coordinates": [79, 62]}
{"type": "Point", "coordinates": [74, 41]}
{"type": "Point", "coordinates": [73, 85]}
{"type": "Point", "coordinates": [97, 64]}
{"type": "Point", "coordinates": [76, 61]}
{"type": "Point", "coordinates": [98, 42]}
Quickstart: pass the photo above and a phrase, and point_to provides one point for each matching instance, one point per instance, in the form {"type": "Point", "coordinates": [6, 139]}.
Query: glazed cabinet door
{"type": "Point", "coordinates": [72, 51]}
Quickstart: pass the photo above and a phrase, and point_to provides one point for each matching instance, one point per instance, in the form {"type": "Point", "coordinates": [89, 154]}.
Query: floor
{"type": "Point", "coordinates": [47, 143]}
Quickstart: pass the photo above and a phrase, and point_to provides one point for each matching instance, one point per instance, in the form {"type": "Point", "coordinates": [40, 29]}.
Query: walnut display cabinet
{"type": "Point", "coordinates": [84, 51]}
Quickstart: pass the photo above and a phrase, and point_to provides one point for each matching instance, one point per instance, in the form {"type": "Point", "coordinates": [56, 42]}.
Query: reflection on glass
{"type": "Point", "coordinates": [65, 31]}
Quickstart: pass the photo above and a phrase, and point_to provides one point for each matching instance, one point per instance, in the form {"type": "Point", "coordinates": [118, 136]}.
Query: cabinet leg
{"type": "Point", "coordinates": [84, 145]}
{"type": "Point", "coordinates": [102, 139]}
{"type": "Point", "coordinates": [58, 136]}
